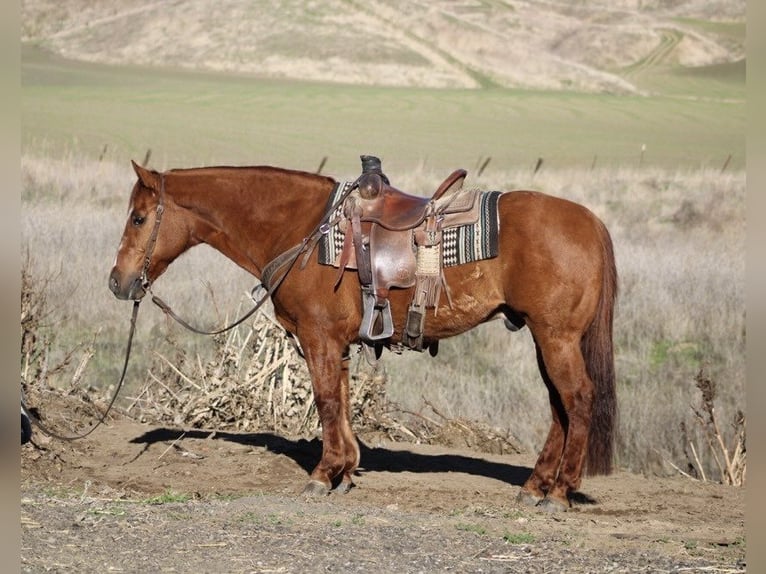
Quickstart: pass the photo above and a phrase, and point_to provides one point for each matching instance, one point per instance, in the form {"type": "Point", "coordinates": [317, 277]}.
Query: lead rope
{"type": "Point", "coordinates": [145, 284]}
{"type": "Point", "coordinates": [38, 423]}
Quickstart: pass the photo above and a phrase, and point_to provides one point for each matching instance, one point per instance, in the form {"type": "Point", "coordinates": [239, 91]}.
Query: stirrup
{"type": "Point", "coordinates": [413, 330]}
{"type": "Point", "coordinates": [372, 311]}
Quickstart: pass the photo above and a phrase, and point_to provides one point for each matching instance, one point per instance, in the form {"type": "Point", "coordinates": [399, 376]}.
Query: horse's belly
{"type": "Point", "coordinates": [472, 296]}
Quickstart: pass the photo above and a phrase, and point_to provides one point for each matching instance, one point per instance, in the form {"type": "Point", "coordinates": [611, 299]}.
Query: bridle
{"type": "Point", "coordinates": [145, 283]}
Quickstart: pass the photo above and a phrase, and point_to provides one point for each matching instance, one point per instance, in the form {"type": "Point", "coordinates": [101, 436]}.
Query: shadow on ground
{"type": "Point", "coordinates": [307, 453]}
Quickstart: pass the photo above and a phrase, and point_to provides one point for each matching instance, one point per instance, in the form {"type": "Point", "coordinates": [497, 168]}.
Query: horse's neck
{"type": "Point", "coordinates": [251, 216]}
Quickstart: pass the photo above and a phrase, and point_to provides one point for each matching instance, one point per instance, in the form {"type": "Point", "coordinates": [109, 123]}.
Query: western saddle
{"type": "Point", "coordinates": [394, 239]}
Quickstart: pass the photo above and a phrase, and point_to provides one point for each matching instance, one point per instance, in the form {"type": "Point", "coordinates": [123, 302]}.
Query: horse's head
{"type": "Point", "coordinates": [152, 239]}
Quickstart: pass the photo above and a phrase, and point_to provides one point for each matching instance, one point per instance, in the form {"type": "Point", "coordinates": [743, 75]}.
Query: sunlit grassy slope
{"type": "Point", "coordinates": [194, 118]}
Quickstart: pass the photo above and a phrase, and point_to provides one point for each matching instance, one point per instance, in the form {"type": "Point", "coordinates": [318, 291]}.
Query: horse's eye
{"type": "Point", "coordinates": [138, 220]}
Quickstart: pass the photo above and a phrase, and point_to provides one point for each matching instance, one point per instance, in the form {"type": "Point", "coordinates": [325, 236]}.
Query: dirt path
{"type": "Point", "coordinates": [136, 498]}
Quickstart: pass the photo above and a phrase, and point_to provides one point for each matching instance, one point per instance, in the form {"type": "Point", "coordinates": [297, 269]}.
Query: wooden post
{"type": "Point", "coordinates": [484, 166]}
{"type": "Point", "coordinates": [726, 163]}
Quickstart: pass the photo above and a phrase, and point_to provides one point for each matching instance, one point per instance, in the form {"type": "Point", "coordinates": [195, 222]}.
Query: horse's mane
{"type": "Point", "coordinates": [206, 170]}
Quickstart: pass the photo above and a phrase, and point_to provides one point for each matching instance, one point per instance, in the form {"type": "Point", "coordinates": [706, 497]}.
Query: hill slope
{"type": "Point", "coordinates": [593, 46]}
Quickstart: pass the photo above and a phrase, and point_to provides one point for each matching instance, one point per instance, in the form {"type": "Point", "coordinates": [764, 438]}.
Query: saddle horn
{"type": "Point", "coordinates": [372, 164]}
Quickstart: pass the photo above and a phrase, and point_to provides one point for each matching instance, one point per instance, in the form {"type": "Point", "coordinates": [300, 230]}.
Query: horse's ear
{"type": "Point", "coordinates": [149, 178]}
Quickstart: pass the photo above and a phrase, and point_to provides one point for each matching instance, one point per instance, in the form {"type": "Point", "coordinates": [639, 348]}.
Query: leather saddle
{"type": "Point", "coordinates": [393, 239]}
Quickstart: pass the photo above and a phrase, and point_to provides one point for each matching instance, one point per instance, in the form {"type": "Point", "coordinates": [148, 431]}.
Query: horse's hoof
{"type": "Point", "coordinates": [552, 506]}
{"type": "Point", "coordinates": [315, 488]}
{"type": "Point", "coordinates": [528, 499]}
{"type": "Point", "coordinates": [344, 487]}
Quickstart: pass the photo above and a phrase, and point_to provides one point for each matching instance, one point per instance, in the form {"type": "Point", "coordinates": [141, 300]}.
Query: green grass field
{"type": "Point", "coordinates": [188, 119]}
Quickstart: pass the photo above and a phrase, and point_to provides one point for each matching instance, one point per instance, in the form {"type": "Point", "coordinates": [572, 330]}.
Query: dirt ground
{"type": "Point", "coordinates": [134, 497]}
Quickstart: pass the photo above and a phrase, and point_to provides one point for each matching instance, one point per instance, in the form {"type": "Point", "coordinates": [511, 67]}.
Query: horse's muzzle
{"type": "Point", "coordinates": [127, 289]}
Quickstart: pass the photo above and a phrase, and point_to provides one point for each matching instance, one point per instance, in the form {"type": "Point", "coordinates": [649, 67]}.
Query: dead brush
{"type": "Point", "coordinates": [730, 460]}
{"type": "Point", "coordinates": [457, 432]}
{"type": "Point", "coordinates": [255, 380]}
{"type": "Point", "coordinates": [45, 376]}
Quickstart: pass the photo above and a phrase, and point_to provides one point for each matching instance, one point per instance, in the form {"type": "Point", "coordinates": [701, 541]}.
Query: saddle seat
{"type": "Point", "coordinates": [396, 210]}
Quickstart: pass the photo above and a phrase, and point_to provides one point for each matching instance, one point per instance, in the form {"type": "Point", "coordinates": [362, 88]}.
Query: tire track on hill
{"type": "Point", "coordinates": [669, 39]}
{"type": "Point", "coordinates": [149, 7]}
{"type": "Point", "coordinates": [422, 46]}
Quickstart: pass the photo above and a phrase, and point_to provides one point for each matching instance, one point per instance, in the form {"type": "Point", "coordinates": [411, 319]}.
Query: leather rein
{"type": "Point", "coordinates": [270, 279]}
{"type": "Point", "coordinates": [136, 302]}
{"type": "Point", "coordinates": [38, 423]}
{"type": "Point", "coordinates": [285, 261]}
{"type": "Point", "coordinates": [145, 283]}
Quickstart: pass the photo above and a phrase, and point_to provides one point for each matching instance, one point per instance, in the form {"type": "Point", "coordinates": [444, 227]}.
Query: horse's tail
{"type": "Point", "coordinates": [598, 351]}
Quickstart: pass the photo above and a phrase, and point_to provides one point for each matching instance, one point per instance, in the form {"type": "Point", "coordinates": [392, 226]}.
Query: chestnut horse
{"type": "Point", "coordinates": [555, 273]}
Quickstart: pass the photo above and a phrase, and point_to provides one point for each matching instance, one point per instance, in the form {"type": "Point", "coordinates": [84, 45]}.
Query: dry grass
{"type": "Point", "coordinates": [679, 239]}
{"type": "Point", "coordinates": [731, 461]}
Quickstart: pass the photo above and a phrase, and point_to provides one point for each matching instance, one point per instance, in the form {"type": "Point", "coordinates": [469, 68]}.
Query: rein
{"type": "Point", "coordinates": [145, 283]}
{"type": "Point", "coordinates": [285, 260]}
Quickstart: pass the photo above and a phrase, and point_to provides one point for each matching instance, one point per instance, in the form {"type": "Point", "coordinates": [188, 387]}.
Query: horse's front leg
{"type": "Point", "coordinates": [328, 365]}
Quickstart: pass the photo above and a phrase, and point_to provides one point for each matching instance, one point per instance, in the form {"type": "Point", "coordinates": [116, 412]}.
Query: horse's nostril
{"type": "Point", "coordinates": [114, 285]}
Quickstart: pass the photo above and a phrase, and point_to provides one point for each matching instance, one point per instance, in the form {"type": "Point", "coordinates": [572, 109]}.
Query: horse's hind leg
{"type": "Point", "coordinates": [559, 466]}
{"type": "Point", "coordinates": [546, 468]}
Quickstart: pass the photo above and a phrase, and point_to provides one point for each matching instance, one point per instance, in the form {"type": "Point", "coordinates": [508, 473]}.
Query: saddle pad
{"type": "Point", "coordinates": [463, 244]}
{"type": "Point", "coordinates": [468, 243]}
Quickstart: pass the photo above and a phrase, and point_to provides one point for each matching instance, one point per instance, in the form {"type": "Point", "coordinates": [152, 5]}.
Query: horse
{"type": "Point", "coordinates": [554, 273]}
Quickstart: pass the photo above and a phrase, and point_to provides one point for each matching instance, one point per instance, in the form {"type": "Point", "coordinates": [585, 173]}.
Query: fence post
{"type": "Point", "coordinates": [484, 166]}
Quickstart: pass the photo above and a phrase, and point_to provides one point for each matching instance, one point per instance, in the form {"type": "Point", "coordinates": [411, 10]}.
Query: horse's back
{"type": "Point", "coordinates": [540, 218]}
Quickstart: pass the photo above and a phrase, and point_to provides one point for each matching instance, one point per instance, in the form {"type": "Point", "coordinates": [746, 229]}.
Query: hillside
{"type": "Point", "coordinates": [591, 46]}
